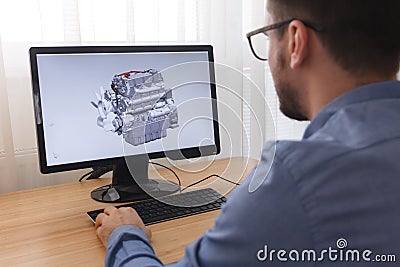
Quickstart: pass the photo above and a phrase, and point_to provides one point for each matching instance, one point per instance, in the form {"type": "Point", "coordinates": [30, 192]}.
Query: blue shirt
{"type": "Point", "coordinates": [331, 197]}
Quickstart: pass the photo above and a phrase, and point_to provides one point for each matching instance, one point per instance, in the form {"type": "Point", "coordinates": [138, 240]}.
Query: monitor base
{"type": "Point", "coordinates": [128, 193]}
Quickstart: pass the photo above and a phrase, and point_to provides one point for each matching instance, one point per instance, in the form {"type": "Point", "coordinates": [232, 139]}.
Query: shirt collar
{"type": "Point", "coordinates": [382, 90]}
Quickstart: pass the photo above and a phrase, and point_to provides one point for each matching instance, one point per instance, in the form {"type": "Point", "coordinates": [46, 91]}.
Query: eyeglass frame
{"type": "Point", "coordinates": [277, 26]}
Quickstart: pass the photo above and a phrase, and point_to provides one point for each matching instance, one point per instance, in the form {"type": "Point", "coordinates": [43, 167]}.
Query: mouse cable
{"type": "Point", "coordinates": [171, 170]}
{"type": "Point", "coordinates": [195, 183]}
{"type": "Point", "coordinates": [96, 172]}
{"type": "Point", "coordinates": [86, 175]}
{"type": "Point", "coordinates": [208, 177]}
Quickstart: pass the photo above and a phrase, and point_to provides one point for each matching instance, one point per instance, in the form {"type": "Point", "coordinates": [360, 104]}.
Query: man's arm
{"type": "Point", "coordinates": [129, 245]}
{"type": "Point", "coordinates": [112, 218]}
{"type": "Point", "coordinates": [126, 238]}
{"type": "Point", "coordinates": [272, 215]}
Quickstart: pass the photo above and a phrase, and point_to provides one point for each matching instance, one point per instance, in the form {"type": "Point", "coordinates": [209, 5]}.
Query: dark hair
{"type": "Point", "coordinates": [361, 35]}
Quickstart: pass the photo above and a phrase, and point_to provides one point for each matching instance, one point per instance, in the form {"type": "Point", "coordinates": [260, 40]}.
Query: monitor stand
{"type": "Point", "coordinates": [125, 188]}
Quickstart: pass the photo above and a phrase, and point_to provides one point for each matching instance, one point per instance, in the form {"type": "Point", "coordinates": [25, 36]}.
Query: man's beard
{"type": "Point", "coordinates": [289, 96]}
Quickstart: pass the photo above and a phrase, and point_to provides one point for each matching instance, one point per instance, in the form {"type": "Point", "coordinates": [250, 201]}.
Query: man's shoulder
{"type": "Point", "coordinates": [301, 156]}
{"type": "Point", "coordinates": [292, 161]}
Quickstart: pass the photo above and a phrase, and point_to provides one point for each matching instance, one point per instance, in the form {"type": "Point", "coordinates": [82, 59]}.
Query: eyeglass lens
{"type": "Point", "coordinates": [260, 43]}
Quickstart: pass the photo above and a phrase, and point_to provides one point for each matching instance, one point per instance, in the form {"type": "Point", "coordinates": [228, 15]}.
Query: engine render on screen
{"type": "Point", "coordinates": [137, 105]}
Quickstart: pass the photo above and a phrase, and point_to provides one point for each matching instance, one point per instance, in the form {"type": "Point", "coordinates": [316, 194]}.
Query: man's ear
{"type": "Point", "coordinates": [298, 43]}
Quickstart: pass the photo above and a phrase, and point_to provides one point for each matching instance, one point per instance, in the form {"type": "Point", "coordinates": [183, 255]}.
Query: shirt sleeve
{"type": "Point", "coordinates": [129, 246]}
{"type": "Point", "coordinates": [269, 215]}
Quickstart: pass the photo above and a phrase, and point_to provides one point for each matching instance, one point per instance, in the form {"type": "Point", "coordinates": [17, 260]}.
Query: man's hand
{"type": "Point", "coordinates": [112, 218]}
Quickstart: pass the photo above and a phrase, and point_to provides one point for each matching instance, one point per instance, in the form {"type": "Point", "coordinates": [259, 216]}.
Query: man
{"type": "Point", "coordinates": [333, 198]}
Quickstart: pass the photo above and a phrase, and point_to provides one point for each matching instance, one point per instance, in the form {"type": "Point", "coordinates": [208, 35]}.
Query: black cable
{"type": "Point", "coordinates": [96, 172]}
{"type": "Point", "coordinates": [101, 170]}
{"type": "Point", "coordinates": [171, 170]}
{"type": "Point", "coordinates": [86, 175]}
{"type": "Point", "coordinates": [226, 180]}
{"type": "Point", "coordinates": [208, 177]}
{"type": "Point", "coordinates": [193, 184]}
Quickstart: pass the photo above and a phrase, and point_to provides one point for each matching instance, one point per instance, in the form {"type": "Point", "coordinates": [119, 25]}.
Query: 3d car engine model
{"type": "Point", "coordinates": [137, 105]}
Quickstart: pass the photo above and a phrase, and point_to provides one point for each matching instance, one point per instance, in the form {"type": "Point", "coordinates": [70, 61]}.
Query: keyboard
{"type": "Point", "coordinates": [154, 211]}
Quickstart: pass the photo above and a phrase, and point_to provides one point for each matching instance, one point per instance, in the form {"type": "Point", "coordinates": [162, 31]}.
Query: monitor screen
{"type": "Point", "coordinates": [95, 105]}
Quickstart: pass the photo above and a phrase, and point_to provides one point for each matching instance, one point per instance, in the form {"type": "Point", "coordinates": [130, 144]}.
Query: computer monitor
{"type": "Point", "coordinates": [121, 106]}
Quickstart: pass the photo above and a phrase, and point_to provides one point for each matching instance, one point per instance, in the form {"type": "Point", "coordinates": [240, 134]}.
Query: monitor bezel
{"type": "Point", "coordinates": [192, 152]}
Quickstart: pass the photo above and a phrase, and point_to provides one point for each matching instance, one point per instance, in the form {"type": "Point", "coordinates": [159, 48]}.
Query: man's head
{"type": "Point", "coordinates": [359, 38]}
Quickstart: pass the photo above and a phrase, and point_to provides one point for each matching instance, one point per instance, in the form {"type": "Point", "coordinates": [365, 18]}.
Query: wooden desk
{"type": "Point", "coordinates": [49, 227]}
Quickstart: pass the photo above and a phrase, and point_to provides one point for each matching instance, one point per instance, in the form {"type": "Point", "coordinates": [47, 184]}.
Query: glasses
{"type": "Point", "coordinates": [259, 39]}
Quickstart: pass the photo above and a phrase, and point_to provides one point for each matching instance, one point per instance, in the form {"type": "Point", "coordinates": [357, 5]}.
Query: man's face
{"type": "Point", "coordinates": [290, 99]}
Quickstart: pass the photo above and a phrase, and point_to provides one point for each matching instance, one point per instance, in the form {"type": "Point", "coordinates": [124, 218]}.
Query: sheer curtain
{"type": "Point", "coordinates": [222, 23]}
